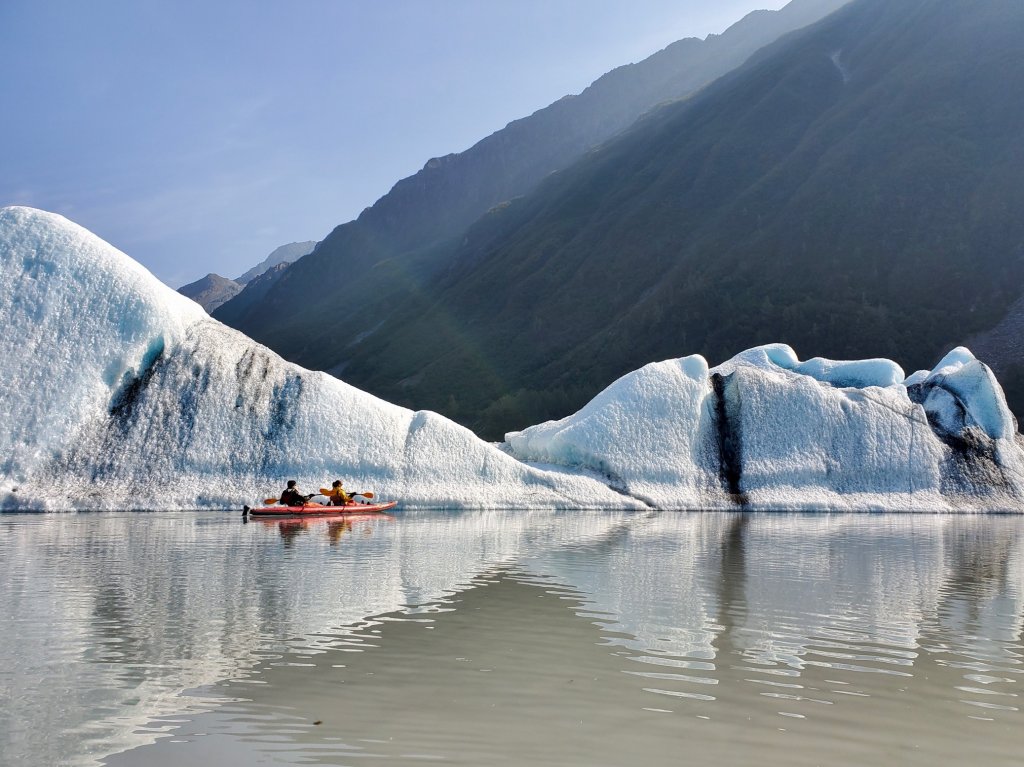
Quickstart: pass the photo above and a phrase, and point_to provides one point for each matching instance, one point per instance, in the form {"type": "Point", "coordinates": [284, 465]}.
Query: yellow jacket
{"type": "Point", "coordinates": [338, 496]}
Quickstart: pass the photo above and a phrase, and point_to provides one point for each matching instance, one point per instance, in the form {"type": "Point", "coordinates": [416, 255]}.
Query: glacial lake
{"type": "Point", "coordinates": [511, 638]}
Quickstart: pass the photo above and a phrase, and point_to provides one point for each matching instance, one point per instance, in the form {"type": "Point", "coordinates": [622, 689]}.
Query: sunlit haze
{"type": "Point", "coordinates": [199, 136]}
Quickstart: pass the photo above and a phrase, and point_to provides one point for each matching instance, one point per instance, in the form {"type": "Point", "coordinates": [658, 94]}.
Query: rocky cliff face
{"type": "Point", "coordinates": [213, 291]}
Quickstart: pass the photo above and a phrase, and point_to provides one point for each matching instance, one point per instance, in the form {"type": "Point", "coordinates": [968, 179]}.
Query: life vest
{"type": "Point", "coordinates": [338, 497]}
{"type": "Point", "coordinates": [292, 497]}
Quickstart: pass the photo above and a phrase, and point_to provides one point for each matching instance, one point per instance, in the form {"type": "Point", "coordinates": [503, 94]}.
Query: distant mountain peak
{"type": "Point", "coordinates": [291, 252]}
{"type": "Point", "coordinates": [211, 291]}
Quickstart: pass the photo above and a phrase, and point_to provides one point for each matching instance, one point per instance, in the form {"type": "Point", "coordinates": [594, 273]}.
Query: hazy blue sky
{"type": "Point", "coordinates": [198, 135]}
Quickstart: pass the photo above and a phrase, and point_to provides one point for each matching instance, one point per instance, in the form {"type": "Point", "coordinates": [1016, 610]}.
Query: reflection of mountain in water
{"type": "Point", "coordinates": [981, 598]}
{"type": "Point", "coordinates": [140, 608]}
{"type": "Point", "coordinates": [130, 611]}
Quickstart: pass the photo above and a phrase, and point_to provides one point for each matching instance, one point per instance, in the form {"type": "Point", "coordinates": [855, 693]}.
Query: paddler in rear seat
{"type": "Point", "coordinates": [292, 497]}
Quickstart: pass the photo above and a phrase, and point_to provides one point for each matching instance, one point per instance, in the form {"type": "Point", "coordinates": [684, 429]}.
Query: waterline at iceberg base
{"type": "Point", "coordinates": [120, 393]}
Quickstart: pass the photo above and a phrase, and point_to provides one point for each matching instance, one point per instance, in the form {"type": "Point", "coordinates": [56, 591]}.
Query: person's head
{"type": "Point", "coordinates": [336, 483]}
{"type": "Point", "coordinates": [291, 483]}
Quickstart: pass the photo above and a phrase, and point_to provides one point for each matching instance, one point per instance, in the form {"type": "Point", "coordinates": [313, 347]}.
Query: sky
{"type": "Point", "coordinates": [198, 136]}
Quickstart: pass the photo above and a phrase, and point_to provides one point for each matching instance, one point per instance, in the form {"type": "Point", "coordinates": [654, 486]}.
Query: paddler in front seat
{"type": "Point", "coordinates": [291, 496]}
{"type": "Point", "coordinates": [338, 496]}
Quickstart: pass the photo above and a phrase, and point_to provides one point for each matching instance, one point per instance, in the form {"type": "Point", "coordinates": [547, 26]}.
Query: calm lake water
{"type": "Point", "coordinates": [493, 638]}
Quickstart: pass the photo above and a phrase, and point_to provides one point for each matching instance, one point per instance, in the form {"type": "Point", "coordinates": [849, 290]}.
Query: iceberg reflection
{"type": "Point", "coordinates": [128, 627]}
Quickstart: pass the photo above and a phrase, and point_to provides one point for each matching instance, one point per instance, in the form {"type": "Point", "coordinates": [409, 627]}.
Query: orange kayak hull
{"type": "Point", "coordinates": [316, 510]}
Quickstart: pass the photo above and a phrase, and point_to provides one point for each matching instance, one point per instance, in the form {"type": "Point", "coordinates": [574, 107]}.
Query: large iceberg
{"type": "Point", "coordinates": [765, 430]}
{"type": "Point", "coordinates": [120, 393]}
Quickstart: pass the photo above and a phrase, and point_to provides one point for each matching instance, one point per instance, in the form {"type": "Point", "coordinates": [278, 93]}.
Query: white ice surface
{"type": "Point", "coordinates": [121, 393]}
{"type": "Point", "coordinates": [840, 373]}
{"type": "Point", "coordinates": [974, 385]}
{"type": "Point", "coordinates": [648, 432]}
{"type": "Point", "coordinates": [796, 435]}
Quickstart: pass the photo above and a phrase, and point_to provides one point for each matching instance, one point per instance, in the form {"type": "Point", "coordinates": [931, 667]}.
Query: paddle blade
{"type": "Point", "coordinates": [366, 495]}
{"type": "Point", "coordinates": [270, 501]}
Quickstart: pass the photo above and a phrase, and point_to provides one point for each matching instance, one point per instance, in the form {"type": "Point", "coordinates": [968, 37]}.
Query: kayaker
{"type": "Point", "coordinates": [338, 496]}
{"type": "Point", "coordinates": [291, 496]}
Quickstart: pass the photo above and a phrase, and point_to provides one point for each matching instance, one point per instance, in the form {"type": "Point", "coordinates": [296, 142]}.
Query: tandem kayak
{"type": "Point", "coordinates": [316, 510]}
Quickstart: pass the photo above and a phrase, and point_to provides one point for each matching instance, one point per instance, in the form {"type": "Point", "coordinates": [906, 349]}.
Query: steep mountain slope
{"type": "Point", "coordinates": [854, 189]}
{"type": "Point", "coordinates": [389, 253]}
{"type": "Point", "coordinates": [256, 290]}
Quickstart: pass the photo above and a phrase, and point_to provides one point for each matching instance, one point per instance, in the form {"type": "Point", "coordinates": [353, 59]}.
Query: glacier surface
{"type": "Point", "coordinates": [121, 393]}
{"type": "Point", "coordinates": [765, 430]}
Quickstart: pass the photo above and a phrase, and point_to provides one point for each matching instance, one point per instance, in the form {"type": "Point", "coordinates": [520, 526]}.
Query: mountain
{"type": "Point", "coordinates": [852, 189]}
{"type": "Point", "coordinates": [146, 403]}
{"type": "Point", "coordinates": [285, 254]}
{"type": "Point", "coordinates": [211, 291]}
{"type": "Point", "coordinates": [390, 253]}
{"type": "Point", "coordinates": [255, 292]}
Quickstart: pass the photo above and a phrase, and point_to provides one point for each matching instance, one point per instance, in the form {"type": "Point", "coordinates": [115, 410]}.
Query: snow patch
{"type": "Point", "coordinates": [844, 71]}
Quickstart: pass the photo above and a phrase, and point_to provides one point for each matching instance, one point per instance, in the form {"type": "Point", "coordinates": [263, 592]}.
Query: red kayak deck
{"type": "Point", "coordinates": [315, 510]}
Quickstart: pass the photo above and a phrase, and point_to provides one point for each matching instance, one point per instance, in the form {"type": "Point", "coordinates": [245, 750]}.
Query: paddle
{"type": "Point", "coordinates": [272, 501]}
{"type": "Point", "coordinates": [325, 491]}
